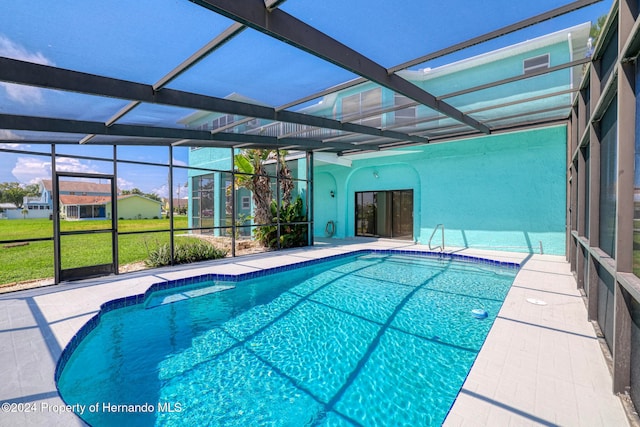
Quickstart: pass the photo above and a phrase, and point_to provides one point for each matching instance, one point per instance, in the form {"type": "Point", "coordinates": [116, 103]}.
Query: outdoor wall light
{"type": "Point", "coordinates": [375, 174]}
{"type": "Point", "coordinates": [332, 194]}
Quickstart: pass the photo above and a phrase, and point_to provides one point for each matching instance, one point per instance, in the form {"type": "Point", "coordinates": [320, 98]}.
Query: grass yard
{"type": "Point", "coordinates": [35, 260]}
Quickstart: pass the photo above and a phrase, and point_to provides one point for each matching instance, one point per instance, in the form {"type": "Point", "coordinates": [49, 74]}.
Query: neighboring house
{"type": "Point", "coordinates": [134, 206]}
{"type": "Point", "coordinates": [78, 199]}
{"type": "Point", "coordinates": [87, 200]}
{"type": "Point", "coordinates": [9, 211]}
{"type": "Point", "coordinates": [131, 206]}
{"type": "Point", "coordinates": [503, 190]}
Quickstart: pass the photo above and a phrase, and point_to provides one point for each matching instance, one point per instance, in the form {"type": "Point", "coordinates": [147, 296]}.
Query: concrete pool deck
{"type": "Point", "coordinates": [540, 365]}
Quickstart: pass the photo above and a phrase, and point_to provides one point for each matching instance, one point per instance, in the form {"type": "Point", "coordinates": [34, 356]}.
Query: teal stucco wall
{"type": "Point", "coordinates": [504, 191]}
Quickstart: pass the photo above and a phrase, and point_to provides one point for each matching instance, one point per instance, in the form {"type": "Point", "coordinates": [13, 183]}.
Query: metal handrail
{"type": "Point", "coordinates": [433, 234]}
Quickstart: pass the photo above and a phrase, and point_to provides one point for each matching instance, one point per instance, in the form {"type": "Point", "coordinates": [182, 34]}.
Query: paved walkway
{"type": "Point", "coordinates": [540, 365]}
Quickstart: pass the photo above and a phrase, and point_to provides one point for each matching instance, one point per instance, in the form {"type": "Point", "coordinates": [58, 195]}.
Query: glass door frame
{"type": "Point", "coordinates": [92, 270]}
{"type": "Point", "coordinates": [388, 213]}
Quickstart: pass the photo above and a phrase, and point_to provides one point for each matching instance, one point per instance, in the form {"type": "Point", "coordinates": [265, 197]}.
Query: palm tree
{"type": "Point", "coordinates": [254, 178]}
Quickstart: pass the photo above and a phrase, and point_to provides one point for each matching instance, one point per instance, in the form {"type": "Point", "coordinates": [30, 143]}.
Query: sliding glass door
{"type": "Point", "coordinates": [384, 214]}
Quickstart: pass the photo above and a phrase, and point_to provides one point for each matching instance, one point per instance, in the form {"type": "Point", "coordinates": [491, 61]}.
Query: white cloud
{"type": "Point", "coordinates": [14, 146]}
{"type": "Point", "coordinates": [21, 93]}
{"type": "Point", "coordinates": [177, 162]}
{"type": "Point", "coordinates": [179, 191]}
{"type": "Point", "coordinates": [8, 135]}
{"type": "Point", "coordinates": [162, 191]}
{"type": "Point", "coordinates": [65, 164]}
{"type": "Point", "coordinates": [32, 169]}
{"type": "Point", "coordinates": [13, 50]}
{"type": "Point", "coordinates": [123, 184]}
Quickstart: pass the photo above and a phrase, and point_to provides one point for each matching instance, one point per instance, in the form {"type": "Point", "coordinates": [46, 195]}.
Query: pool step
{"type": "Point", "coordinates": [158, 300]}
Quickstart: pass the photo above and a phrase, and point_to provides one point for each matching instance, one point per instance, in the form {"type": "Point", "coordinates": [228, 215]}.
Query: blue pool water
{"type": "Point", "coordinates": [373, 340]}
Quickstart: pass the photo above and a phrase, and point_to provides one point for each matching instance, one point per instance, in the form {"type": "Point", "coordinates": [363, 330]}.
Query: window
{"type": "Point", "coordinates": [202, 201]}
{"type": "Point", "coordinates": [536, 63]}
{"type": "Point", "coordinates": [246, 202]}
{"type": "Point", "coordinates": [222, 121]}
{"type": "Point", "coordinates": [358, 108]}
{"type": "Point", "coordinates": [406, 115]}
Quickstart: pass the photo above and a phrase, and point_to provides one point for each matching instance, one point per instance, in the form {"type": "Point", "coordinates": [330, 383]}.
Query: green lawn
{"type": "Point", "coordinates": [35, 260]}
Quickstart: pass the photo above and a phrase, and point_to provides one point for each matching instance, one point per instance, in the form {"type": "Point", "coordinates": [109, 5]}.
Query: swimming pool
{"type": "Point", "coordinates": [376, 338]}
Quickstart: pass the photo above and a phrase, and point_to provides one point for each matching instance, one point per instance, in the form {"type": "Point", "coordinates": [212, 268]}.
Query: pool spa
{"type": "Point", "coordinates": [375, 337]}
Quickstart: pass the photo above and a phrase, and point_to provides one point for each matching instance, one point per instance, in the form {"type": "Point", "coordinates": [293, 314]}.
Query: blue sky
{"type": "Point", "coordinates": [143, 40]}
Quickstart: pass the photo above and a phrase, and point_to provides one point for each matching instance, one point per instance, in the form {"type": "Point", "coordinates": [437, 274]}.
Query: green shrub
{"type": "Point", "coordinates": [186, 251]}
{"type": "Point", "coordinates": [291, 236]}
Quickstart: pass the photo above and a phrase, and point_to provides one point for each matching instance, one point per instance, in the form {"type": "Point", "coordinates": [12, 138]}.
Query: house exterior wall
{"type": "Point", "coordinates": [33, 214]}
{"type": "Point", "coordinates": [135, 207]}
{"type": "Point", "coordinates": [504, 191]}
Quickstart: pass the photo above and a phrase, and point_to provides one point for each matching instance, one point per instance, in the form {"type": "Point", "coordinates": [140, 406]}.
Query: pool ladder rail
{"type": "Point", "coordinates": [441, 246]}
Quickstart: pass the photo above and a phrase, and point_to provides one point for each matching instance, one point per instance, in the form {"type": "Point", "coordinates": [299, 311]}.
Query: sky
{"type": "Point", "coordinates": [143, 40]}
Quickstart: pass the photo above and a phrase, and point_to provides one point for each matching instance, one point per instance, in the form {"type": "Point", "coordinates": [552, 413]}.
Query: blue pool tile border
{"type": "Point", "coordinates": [178, 283]}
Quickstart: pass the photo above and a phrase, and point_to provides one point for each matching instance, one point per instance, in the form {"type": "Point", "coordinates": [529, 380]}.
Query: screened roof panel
{"type": "Point", "coordinates": [518, 92]}
{"type": "Point", "coordinates": [272, 73]}
{"type": "Point", "coordinates": [34, 101]}
{"type": "Point", "coordinates": [126, 141]}
{"type": "Point", "coordinates": [524, 118]}
{"type": "Point", "coordinates": [530, 32]}
{"type": "Point", "coordinates": [356, 139]}
{"type": "Point", "coordinates": [391, 34]}
{"type": "Point", "coordinates": [36, 137]}
{"type": "Point", "coordinates": [546, 103]}
{"type": "Point", "coordinates": [8, 142]}
{"type": "Point", "coordinates": [519, 61]}
{"type": "Point", "coordinates": [446, 127]}
{"type": "Point", "coordinates": [157, 115]}
{"type": "Point", "coordinates": [132, 40]}
{"type": "Point", "coordinates": [176, 72]}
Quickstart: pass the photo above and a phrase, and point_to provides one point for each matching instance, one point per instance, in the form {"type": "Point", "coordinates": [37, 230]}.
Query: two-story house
{"type": "Point", "coordinates": [505, 189]}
